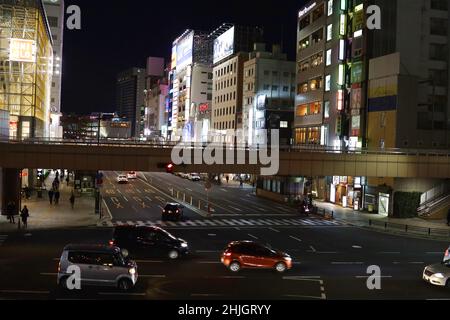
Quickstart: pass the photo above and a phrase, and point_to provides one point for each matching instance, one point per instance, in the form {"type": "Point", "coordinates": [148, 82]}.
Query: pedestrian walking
{"type": "Point", "coordinates": [448, 218]}
{"type": "Point", "coordinates": [10, 212]}
{"type": "Point", "coordinates": [72, 200]}
{"type": "Point", "coordinates": [25, 214]}
{"type": "Point", "coordinates": [228, 179]}
{"type": "Point", "coordinates": [50, 196]}
{"type": "Point", "coordinates": [241, 183]}
{"type": "Point", "coordinates": [57, 196]}
{"type": "Point", "coordinates": [67, 180]}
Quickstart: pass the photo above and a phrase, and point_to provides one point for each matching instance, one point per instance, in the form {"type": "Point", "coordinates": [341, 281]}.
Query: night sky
{"type": "Point", "coordinates": [117, 35]}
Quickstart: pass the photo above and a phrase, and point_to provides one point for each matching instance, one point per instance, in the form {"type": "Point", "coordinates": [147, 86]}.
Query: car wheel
{"type": "Point", "coordinates": [63, 283]}
{"type": "Point", "coordinates": [125, 285]}
{"type": "Point", "coordinates": [173, 255]}
{"type": "Point", "coordinates": [281, 267]}
{"type": "Point", "coordinates": [235, 267]}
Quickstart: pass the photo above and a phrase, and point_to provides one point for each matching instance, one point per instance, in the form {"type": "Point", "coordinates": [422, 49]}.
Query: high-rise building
{"type": "Point", "coordinates": [268, 95]}
{"type": "Point", "coordinates": [55, 16]}
{"type": "Point", "coordinates": [232, 44]}
{"type": "Point", "coordinates": [378, 88]}
{"type": "Point", "coordinates": [130, 95]}
{"type": "Point", "coordinates": [26, 67]}
{"type": "Point", "coordinates": [191, 86]}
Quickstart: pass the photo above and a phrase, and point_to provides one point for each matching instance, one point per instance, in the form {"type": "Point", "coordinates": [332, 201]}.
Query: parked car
{"type": "Point", "coordinates": [447, 255]}
{"type": "Point", "coordinates": [184, 175]}
{"type": "Point", "coordinates": [438, 274]}
{"type": "Point", "coordinates": [248, 254]}
{"type": "Point", "coordinates": [132, 175]}
{"type": "Point", "coordinates": [122, 179]}
{"type": "Point", "coordinates": [173, 212]}
{"type": "Point", "coordinates": [194, 177]}
{"type": "Point", "coordinates": [147, 242]}
{"type": "Point", "coordinates": [99, 265]}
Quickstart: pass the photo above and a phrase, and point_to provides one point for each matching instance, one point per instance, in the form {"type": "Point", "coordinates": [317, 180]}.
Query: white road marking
{"type": "Point", "coordinates": [275, 230]}
{"type": "Point", "coordinates": [149, 199]}
{"type": "Point", "coordinates": [379, 277]}
{"type": "Point", "coordinates": [107, 209]}
{"type": "Point", "coordinates": [356, 247]}
{"type": "Point", "coordinates": [252, 236]}
{"type": "Point", "coordinates": [122, 294]}
{"type": "Point", "coordinates": [313, 249]}
{"type": "Point", "coordinates": [24, 292]}
{"type": "Point", "coordinates": [189, 190]}
{"type": "Point", "coordinates": [347, 263]}
{"type": "Point", "coordinates": [125, 199]}
{"type": "Point", "coordinates": [296, 239]}
{"type": "Point", "coordinates": [234, 208]}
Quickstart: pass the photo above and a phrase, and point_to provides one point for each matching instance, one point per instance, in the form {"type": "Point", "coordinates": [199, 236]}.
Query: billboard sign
{"type": "Point", "coordinates": [21, 50]}
{"type": "Point", "coordinates": [224, 45]}
{"type": "Point", "coordinates": [185, 53]}
{"type": "Point", "coordinates": [174, 58]}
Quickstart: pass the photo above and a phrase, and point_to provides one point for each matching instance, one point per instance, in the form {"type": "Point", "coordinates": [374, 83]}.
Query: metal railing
{"type": "Point", "coordinates": [246, 147]}
{"type": "Point", "coordinates": [409, 229]}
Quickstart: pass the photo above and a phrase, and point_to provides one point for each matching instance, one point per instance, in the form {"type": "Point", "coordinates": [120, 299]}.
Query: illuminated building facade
{"type": "Point", "coordinates": [26, 67]}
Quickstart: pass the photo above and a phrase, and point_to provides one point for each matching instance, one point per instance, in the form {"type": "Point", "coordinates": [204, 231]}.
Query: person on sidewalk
{"type": "Point", "coordinates": [68, 180]}
{"type": "Point", "coordinates": [72, 200]}
{"type": "Point", "coordinates": [25, 214]}
{"type": "Point", "coordinates": [50, 196]}
{"type": "Point", "coordinates": [228, 179]}
{"type": "Point", "coordinates": [10, 212]}
{"type": "Point", "coordinates": [57, 196]}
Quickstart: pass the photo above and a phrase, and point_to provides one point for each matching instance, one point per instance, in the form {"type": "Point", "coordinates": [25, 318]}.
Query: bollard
{"type": "Point", "coordinates": [192, 201]}
{"type": "Point", "coordinates": [429, 231]}
{"type": "Point", "coordinates": [184, 197]}
{"type": "Point", "coordinates": [370, 223]}
{"type": "Point", "coordinates": [199, 205]}
{"type": "Point", "coordinates": [385, 225]}
{"type": "Point", "coordinates": [406, 228]}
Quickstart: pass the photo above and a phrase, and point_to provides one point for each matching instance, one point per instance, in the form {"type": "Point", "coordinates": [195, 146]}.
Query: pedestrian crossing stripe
{"type": "Point", "coordinates": [230, 223]}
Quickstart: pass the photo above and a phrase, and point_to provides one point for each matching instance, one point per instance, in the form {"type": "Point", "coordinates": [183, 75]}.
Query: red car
{"type": "Point", "coordinates": [250, 255]}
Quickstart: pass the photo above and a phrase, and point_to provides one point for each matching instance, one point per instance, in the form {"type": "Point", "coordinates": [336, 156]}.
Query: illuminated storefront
{"type": "Point", "coordinates": [348, 192]}
{"type": "Point", "coordinates": [26, 66]}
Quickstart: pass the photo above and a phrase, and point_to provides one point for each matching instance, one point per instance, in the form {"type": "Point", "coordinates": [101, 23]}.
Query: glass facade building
{"type": "Point", "coordinates": [26, 67]}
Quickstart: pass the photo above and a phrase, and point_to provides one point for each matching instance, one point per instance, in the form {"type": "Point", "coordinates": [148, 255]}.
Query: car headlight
{"type": "Point", "coordinates": [439, 275]}
{"type": "Point", "coordinates": [132, 271]}
{"type": "Point", "coordinates": [288, 259]}
{"type": "Point", "coordinates": [184, 245]}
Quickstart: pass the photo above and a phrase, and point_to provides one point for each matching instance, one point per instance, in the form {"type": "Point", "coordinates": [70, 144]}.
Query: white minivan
{"type": "Point", "coordinates": [99, 265]}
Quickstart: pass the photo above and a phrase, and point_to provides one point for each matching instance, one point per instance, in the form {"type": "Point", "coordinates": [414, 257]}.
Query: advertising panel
{"type": "Point", "coordinates": [21, 50]}
{"type": "Point", "coordinates": [224, 45]}
{"type": "Point", "coordinates": [185, 51]}
{"type": "Point", "coordinates": [174, 57]}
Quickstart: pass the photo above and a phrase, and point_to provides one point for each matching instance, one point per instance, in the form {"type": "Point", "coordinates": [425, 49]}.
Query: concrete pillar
{"type": "Point", "coordinates": [10, 189]}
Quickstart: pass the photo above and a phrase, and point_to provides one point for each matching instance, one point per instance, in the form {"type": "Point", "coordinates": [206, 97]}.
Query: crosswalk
{"type": "Point", "coordinates": [2, 239]}
{"type": "Point", "coordinates": [229, 223]}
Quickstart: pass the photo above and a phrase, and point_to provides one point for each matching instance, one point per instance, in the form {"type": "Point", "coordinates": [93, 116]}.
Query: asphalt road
{"type": "Point", "coordinates": [330, 263]}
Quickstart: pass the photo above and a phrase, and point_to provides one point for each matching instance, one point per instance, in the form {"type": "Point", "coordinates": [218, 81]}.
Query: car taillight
{"type": "Point", "coordinates": [59, 267]}
{"type": "Point", "coordinates": [178, 211]}
{"type": "Point", "coordinates": [447, 253]}
{"type": "Point", "coordinates": [227, 254]}
{"type": "Point", "coordinates": [111, 242]}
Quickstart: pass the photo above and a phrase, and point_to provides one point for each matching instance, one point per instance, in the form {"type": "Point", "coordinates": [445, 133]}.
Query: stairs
{"type": "Point", "coordinates": [435, 203]}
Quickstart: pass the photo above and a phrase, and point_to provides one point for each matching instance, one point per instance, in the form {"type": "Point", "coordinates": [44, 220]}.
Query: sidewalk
{"type": "Point", "coordinates": [46, 216]}
{"type": "Point", "coordinates": [406, 226]}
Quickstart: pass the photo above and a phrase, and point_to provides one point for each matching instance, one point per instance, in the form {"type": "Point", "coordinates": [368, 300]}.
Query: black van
{"type": "Point", "coordinates": [149, 242]}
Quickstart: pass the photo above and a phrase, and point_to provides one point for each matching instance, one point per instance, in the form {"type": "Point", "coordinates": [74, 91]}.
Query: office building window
{"type": "Point", "coordinates": [328, 83]}
{"type": "Point", "coordinates": [329, 57]}
{"type": "Point", "coordinates": [439, 26]}
{"type": "Point", "coordinates": [329, 32]}
{"type": "Point", "coordinates": [330, 7]}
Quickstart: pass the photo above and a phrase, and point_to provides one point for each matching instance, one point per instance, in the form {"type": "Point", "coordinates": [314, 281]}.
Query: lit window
{"type": "Point", "coordinates": [328, 83]}
{"type": "Point", "coordinates": [358, 33]}
{"type": "Point", "coordinates": [342, 25]}
{"type": "Point", "coordinates": [341, 75]}
{"type": "Point", "coordinates": [343, 4]}
{"type": "Point", "coordinates": [329, 53]}
{"type": "Point", "coordinates": [329, 32]}
{"type": "Point", "coordinates": [342, 49]}
{"type": "Point", "coordinates": [340, 100]}
{"type": "Point", "coordinates": [284, 124]}
{"type": "Point", "coordinates": [327, 110]}
{"type": "Point", "coordinates": [330, 7]}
